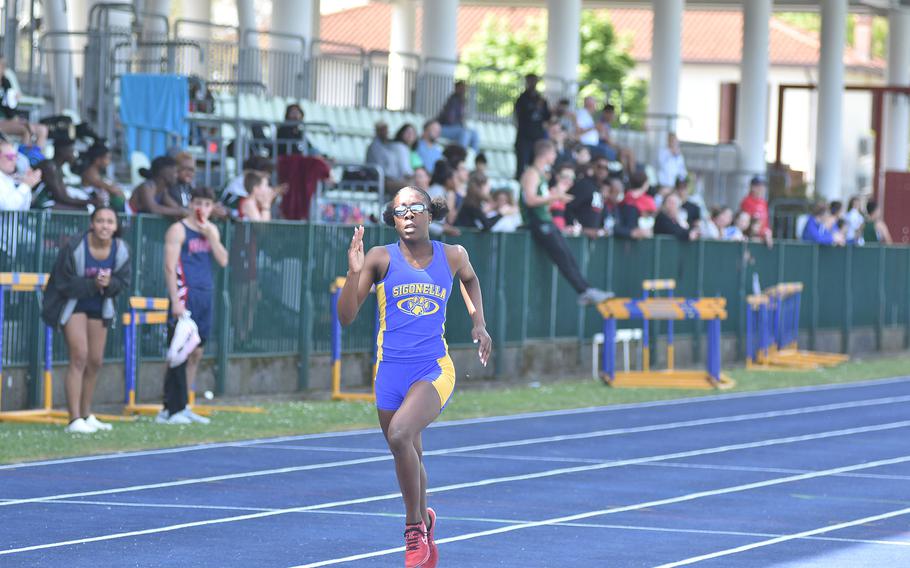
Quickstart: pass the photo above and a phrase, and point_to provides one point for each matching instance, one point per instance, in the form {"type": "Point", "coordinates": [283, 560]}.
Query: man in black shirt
{"type": "Point", "coordinates": [587, 207]}
{"type": "Point", "coordinates": [531, 112]}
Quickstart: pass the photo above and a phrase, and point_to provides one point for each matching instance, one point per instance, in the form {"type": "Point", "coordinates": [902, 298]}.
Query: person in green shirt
{"type": "Point", "coordinates": [535, 200]}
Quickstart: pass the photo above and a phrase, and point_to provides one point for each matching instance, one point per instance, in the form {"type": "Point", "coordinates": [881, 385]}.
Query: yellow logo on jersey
{"type": "Point", "coordinates": [418, 306]}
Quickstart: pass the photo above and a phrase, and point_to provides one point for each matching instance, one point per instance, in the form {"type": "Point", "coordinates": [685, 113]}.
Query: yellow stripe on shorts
{"type": "Point", "coordinates": [445, 382]}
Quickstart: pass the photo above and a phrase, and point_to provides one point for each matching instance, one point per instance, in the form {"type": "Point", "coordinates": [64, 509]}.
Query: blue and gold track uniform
{"type": "Point", "coordinates": [412, 317]}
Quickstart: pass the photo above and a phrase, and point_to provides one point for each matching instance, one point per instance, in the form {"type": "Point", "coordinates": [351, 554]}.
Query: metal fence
{"type": "Point", "coordinates": [273, 300]}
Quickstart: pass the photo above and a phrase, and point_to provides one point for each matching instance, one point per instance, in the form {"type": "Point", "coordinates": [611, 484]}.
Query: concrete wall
{"type": "Point", "coordinates": [537, 361]}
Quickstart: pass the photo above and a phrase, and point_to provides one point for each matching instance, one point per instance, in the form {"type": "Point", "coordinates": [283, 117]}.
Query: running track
{"type": "Point", "coordinates": [816, 476]}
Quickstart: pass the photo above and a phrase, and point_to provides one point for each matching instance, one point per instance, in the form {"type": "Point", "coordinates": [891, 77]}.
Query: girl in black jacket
{"type": "Point", "coordinates": [89, 273]}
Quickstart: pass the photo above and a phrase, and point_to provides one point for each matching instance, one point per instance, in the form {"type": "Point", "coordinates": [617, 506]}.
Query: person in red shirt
{"type": "Point", "coordinates": [756, 205]}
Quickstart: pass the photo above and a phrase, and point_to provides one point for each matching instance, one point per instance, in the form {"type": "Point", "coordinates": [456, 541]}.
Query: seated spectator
{"type": "Point", "coordinates": [581, 155]}
{"type": "Point", "coordinates": [421, 178]}
{"type": "Point", "coordinates": [566, 118]}
{"type": "Point", "coordinates": [818, 228]}
{"type": "Point", "coordinates": [536, 198]}
{"type": "Point", "coordinates": [407, 135]}
{"type": "Point", "coordinates": [154, 195]}
{"type": "Point", "coordinates": [443, 185]}
{"type": "Point", "coordinates": [756, 203]}
{"type": "Point", "coordinates": [671, 163]}
{"type": "Point", "coordinates": [612, 192]}
{"type": "Point", "coordinates": [181, 192]}
{"type": "Point", "coordinates": [563, 176]}
{"type": "Point", "coordinates": [855, 220]}
{"type": "Point", "coordinates": [480, 163]}
{"type": "Point", "coordinates": [235, 190]}
{"type": "Point", "coordinates": [689, 211]}
{"type": "Point", "coordinates": [607, 146]}
{"type": "Point", "coordinates": [428, 148]}
{"type": "Point", "coordinates": [93, 165]}
{"type": "Point", "coordinates": [721, 218]}
{"type": "Point", "coordinates": [587, 207]}
{"type": "Point", "coordinates": [11, 123]}
{"type": "Point", "coordinates": [557, 134]}
{"type": "Point", "coordinates": [15, 193]}
{"type": "Point", "coordinates": [586, 126]}
{"type": "Point", "coordinates": [636, 209]}
{"type": "Point", "coordinates": [504, 205]}
{"type": "Point", "coordinates": [452, 119]}
{"type": "Point", "coordinates": [456, 157]}
{"type": "Point", "coordinates": [739, 229]}
{"type": "Point", "coordinates": [257, 206]}
{"type": "Point", "coordinates": [52, 192]}
{"type": "Point", "coordinates": [290, 136]}
{"type": "Point", "coordinates": [387, 155]}
{"type": "Point", "coordinates": [667, 221]}
{"type": "Point", "coordinates": [875, 230]}
{"type": "Point", "coordinates": [475, 211]}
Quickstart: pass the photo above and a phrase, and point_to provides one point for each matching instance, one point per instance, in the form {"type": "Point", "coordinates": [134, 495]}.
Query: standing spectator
{"type": "Point", "coordinates": [181, 192]}
{"type": "Point", "coordinates": [714, 229]}
{"type": "Point", "coordinates": [384, 153]}
{"type": "Point", "coordinates": [667, 221]}
{"type": "Point", "coordinates": [531, 113]}
{"type": "Point", "coordinates": [756, 202]}
{"type": "Point", "coordinates": [452, 119]}
{"type": "Point", "coordinates": [475, 212]}
{"type": "Point", "coordinates": [93, 165]}
{"type": "Point", "coordinates": [427, 147]}
{"type": "Point", "coordinates": [585, 125]}
{"type": "Point", "coordinates": [818, 228]}
{"type": "Point", "coordinates": [190, 245]}
{"type": "Point", "coordinates": [15, 195]}
{"type": "Point", "coordinates": [290, 136]}
{"type": "Point", "coordinates": [257, 206]}
{"type": "Point", "coordinates": [671, 163]}
{"type": "Point", "coordinates": [875, 230]}
{"type": "Point", "coordinates": [154, 194]}
{"type": "Point", "coordinates": [407, 136]}
{"type": "Point", "coordinates": [636, 206]}
{"type": "Point", "coordinates": [855, 220]}
{"type": "Point", "coordinates": [587, 206]}
{"type": "Point", "coordinates": [89, 273]}
{"type": "Point", "coordinates": [536, 198]}
{"type": "Point", "coordinates": [53, 192]}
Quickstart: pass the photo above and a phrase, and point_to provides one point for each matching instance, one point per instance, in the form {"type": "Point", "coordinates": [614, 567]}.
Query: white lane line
{"type": "Point", "coordinates": [686, 465]}
{"type": "Point", "coordinates": [337, 449]}
{"type": "Point", "coordinates": [477, 447]}
{"type": "Point", "coordinates": [486, 520]}
{"type": "Point", "coordinates": [471, 421]}
{"type": "Point", "coordinates": [639, 506]}
{"type": "Point", "coordinates": [514, 478]}
{"type": "Point", "coordinates": [785, 538]}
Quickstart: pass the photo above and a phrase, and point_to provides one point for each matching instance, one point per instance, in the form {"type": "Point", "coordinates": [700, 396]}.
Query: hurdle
{"type": "Point", "coordinates": [656, 286]}
{"type": "Point", "coordinates": [712, 310]}
{"type": "Point", "coordinates": [772, 332]}
{"type": "Point", "coordinates": [337, 392]}
{"type": "Point", "coordinates": [35, 282]}
{"type": "Point", "coordinates": [154, 311]}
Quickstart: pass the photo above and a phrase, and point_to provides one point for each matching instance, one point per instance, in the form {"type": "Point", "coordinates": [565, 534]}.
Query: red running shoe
{"type": "Point", "coordinates": [434, 550]}
{"type": "Point", "coordinates": [416, 549]}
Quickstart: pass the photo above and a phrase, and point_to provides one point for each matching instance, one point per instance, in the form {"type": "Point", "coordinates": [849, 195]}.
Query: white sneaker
{"type": "Point", "coordinates": [176, 418]}
{"type": "Point", "coordinates": [193, 416]}
{"type": "Point", "coordinates": [97, 424]}
{"type": "Point", "coordinates": [80, 426]}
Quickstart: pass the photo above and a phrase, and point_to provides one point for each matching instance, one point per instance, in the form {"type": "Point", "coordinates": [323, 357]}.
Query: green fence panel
{"type": "Point", "coordinates": [21, 250]}
{"type": "Point", "coordinates": [599, 251]}
{"type": "Point", "coordinates": [798, 265]}
{"type": "Point", "coordinates": [483, 250]}
{"type": "Point", "coordinates": [864, 275]}
{"type": "Point", "coordinates": [515, 253]}
{"type": "Point", "coordinates": [542, 278]}
{"type": "Point", "coordinates": [722, 275]}
{"type": "Point", "coordinates": [832, 287]}
{"type": "Point", "coordinates": [897, 285]}
{"type": "Point", "coordinates": [566, 312]}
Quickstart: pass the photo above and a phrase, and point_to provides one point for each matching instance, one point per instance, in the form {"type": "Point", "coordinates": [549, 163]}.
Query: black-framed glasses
{"type": "Point", "coordinates": [416, 209]}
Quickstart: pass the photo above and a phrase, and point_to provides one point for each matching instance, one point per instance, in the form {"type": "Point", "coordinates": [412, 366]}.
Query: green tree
{"type": "Point", "coordinates": [497, 58]}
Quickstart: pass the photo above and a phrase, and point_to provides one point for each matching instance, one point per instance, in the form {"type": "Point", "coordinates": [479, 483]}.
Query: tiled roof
{"type": "Point", "coordinates": [709, 36]}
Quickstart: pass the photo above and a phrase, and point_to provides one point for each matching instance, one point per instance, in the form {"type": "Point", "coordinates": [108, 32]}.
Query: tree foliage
{"type": "Point", "coordinates": [497, 58]}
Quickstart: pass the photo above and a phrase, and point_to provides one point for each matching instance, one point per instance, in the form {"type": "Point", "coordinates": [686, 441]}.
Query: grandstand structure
{"type": "Point", "coordinates": [74, 62]}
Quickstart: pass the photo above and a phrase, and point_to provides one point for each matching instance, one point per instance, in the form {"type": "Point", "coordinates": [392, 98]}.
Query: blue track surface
{"type": "Point", "coordinates": [804, 477]}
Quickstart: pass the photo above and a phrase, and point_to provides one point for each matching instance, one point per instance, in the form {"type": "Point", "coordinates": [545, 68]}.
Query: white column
{"type": "Point", "coordinates": [154, 19]}
{"type": "Point", "coordinates": [666, 61]}
{"type": "Point", "coordinates": [752, 108]}
{"type": "Point", "coordinates": [59, 63]}
{"type": "Point", "coordinates": [293, 17]}
{"type": "Point", "coordinates": [897, 117]}
{"type": "Point", "coordinates": [249, 42]}
{"type": "Point", "coordinates": [440, 22]}
{"type": "Point", "coordinates": [563, 46]}
{"type": "Point", "coordinates": [830, 99]}
{"type": "Point", "coordinates": [402, 62]}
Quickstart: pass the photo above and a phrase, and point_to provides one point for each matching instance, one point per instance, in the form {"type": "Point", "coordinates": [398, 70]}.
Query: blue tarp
{"type": "Point", "coordinates": [151, 106]}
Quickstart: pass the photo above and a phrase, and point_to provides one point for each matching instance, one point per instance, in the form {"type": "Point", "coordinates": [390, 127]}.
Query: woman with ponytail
{"type": "Point", "coordinates": [415, 376]}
